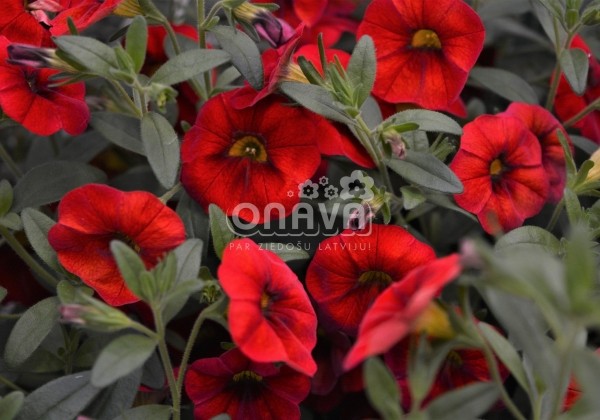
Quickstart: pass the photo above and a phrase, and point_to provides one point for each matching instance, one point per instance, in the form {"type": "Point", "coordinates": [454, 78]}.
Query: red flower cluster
{"type": "Point", "coordinates": [252, 152]}
{"type": "Point", "coordinates": [424, 52]}
{"type": "Point", "coordinates": [92, 216]}
{"type": "Point", "coordinates": [500, 165]}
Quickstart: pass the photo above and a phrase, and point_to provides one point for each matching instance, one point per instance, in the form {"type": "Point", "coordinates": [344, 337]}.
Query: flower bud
{"type": "Point", "coordinates": [273, 30]}
{"type": "Point", "coordinates": [394, 139]}
{"type": "Point", "coordinates": [36, 57]}
{"type": "Point", "coordinates": [95, 316]}
{"type": "Point", "coordinates": [128, 9]}
{"type": "Point", "coordinates": [591, 17]}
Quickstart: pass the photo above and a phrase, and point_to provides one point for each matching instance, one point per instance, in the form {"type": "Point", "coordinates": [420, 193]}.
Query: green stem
{"type": "Point", "coordinates": [27, 258]}
{"type": "Point", "coordinates": [10, 316]}
{"type": "Point", "coordinates": [10, 163]}
{"type": "Point", "coordinates": [202, 39]}
{"type": "Point", "coordinates": [365, 137]}
{"type": "Point", "coordinates": [593, 106]}
{"type": "Point", "coordinates": [188, 348]}
{"type": "Point", "coordinates": [10, 384]}
{"type": "Point", "coordinates": [177, 48]}
{"type": "Point", "coordinates": [169, 194]}
{"type": "Point", "coordinates": [556, 215]}
{"type": "Point", "coordinates": [168, 366]}
{"type": "Point", "coordinates": [137, 111]}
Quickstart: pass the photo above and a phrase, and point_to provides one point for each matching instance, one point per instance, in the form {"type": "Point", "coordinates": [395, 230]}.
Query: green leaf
{"type": "Point", "coordinates": [584, 144]}
{"type": "Point", "coordinates": [11, 221]}
{"type": "Point", "coordinates": [426, 120]}
{"type": "Point", "coordinates": [581, 267]}
{"type": "Point", "coordinates": [130, 266]}
{"type": "Point", "coordinates": [93, 55]}
{"type": "Point", "coordinates": [3, 293]}
{"type": "Point", "coordinates": [162, 148]}
{"type": "Point", "coordinates": [37, 225]}
{"type": "Point", "coordinates": [315, 98]}
{"type": "Point", "coordinates": [587, 371]}
{"type": "Point", "coordinates": [575, 66]}
{"type": "Point", "coordinates": [115, 399]}
{"type": "Point", "coordinates": [467, 402]}
{"type": "Point", "coordinates": [30, 330]}
{"type": "Point", "coordinates": [147, 412]}
{"type": "Point", "coordinates": [382, 390]}
{"type": "Point", "coordinates": [245, 55]}
{"type": "Point", "coordinates": [528, 237]}
{"type": "Point", "coordinates": [412, 197]}
{"type": "Point", "coordinates": [119, 129]}
{"type": "Point", "coordinates": [121, 357]}
{"type": "Point", "coordinates": [506, 353]}
{"type": "Point", "coordinates": [504, 83]}
{"type": "Point", "coordinates": [60, 399]}
{"type": "Point", "coordinates": [49, 182]}
{"type": "Point", "coordinates": [6, 197]}
{"type": "Point", "coordinates": [69, 293]}
{"type": "Point", "coordinates": [189, 259]}
{"type": "Point", "coordinates": [287, 252]}
{"type": "Point", "coordinates": [426, 171]}
{"type": "Point", "coordinates": [362, 67]}
{"type": "Point", "coordinates": [10, 405]}
{"type": "Point", "coordinates": [189, 64]}
{"type": "Point", "coordinates": [219, 229]}
{"type": "Point", "coordinates": [178, 296]}
{"type": "Point", "coordinates": [573, 206]}
{"type": "Point", "coordinates": [424, 364]}
{"type": "Point", "coordinates": [136, 41]}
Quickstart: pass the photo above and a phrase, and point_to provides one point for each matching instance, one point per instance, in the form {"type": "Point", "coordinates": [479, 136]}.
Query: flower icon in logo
{"type": "Point", "coordinates": [290, 193]}
{"type": "Point", "coordinates": [357, 185]}
{"type": "Point", "coordinates": [308, 189]}
{"type": "Point", "coordinates": [324, 181]}
{"type": "Point", "coordinates": [331, 192]}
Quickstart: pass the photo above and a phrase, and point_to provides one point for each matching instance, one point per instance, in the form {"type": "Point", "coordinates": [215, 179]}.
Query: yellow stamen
{"type": "Point", "coordinates": [426, 39]}
{"type": "Point", "coordinates": [496, 167]}
{"type": "Point", "coordinates": [434, 322]}
{"type": "Point", "coordinates": [375, 277]}
{"type": "Point", "coordinates": [250, 147]}
{"type": "Point", "coordinates": [247, 376]}
{"type": "Point", "coordinates": [265, 299]}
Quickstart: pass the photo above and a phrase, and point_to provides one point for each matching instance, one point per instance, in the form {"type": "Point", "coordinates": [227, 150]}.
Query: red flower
{"type": "Point", "coordinates": [543, 125]}
{"type": "Point", "coordinates": [270, 315]}
{"type": "Point", "coordinates": [244, 389]}
{"type": "Point", "coordinates": [332, 18]}
{"type": "Point", "coordinates": [568, 104]}
{"type": "Point", "coordinates": [27, 98]}
{"type": "Point", "coordinates": [349, 271]}
{"type": "Point", "coordinates": [84, 13]}
{"type": "Point", "coordinates": [397, 311]}
{"type": "Point", "coordinates": [90, 217]}
{"type": "Point", "coordinates": [500, 165]}
{"type": "Point", "coordinates": [424, 51]}
{"type": "Point", "coordinates": [574, 391]}
{"type": "Point", "coordinates": [20, 22]}
{"type": "Point", "coordinates": [461, 367]}
{"type": "Point", "coordinates": [257, 154]}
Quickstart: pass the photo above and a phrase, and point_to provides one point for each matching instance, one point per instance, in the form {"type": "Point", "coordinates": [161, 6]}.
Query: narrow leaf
{"type": "Point", "coordinates": [162, 148]}
{"type": "Point", "coordinates": [30, 330]}
{"type": "Point", "coordinates": [529, 236]}
{"type": "Point", "coordinates": [316, 99]}
{"type": "Point", "coordinates": [49, 182]}
{"type": "Point", "coordinates": [219, 229]}
{"type": "Point", "coordinates": [136, 41]}
{"type": "Point", "coordinates": [10, 405]}
{"type": "Point", "coordinates": [147, 412]}
{"type": "Point", "coordinates": [427, 171]}
{"type": "Point", "coordinates": [467, 402]}
{"type": "Point", "coordinates": [37, 225]}
{"type": "Point", "coordinates": [505, 84]}
{"type": "Point", "coordinates": [575, 66]}
{"type": "Point", "coordinates": [119, 129]}
{"type": "Point", "coordinates": [382, 389]}
{"type": "Point", "coordinates": [245, 55]}
{"type": "Point", "coordinates": [6, 197]}
{"type": "Point", "coordinates": [362, 67]}
{"type": "Point", "coordinates": [121, 357]}
{"type": "Point", "coordinates": [130, 265]}
{"type": "Point", "coordinates": [189, 64]}
{"type": "Point", "coordinates": [96, 57]}
{"type": "Point", "coordinates": [426, 120]}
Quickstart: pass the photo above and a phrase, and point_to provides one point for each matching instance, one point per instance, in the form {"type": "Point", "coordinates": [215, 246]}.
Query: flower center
{"type": "Point", "coordinates": [434, 322]}
{"type": "Point", "coordinates": [265, 300]}
{"type": "Point", "coordinates": [247, 376]}
{"type": "Point", "coordinates": [249, 147]}
{"type": "Point", "coordinates": [496, 167]}
{"type": "Point", "coordinates": [130, 242]}
{"type": "Point", "coordinates": [426, 39]}
{"type": "Point", "coordinates": [375, 277]}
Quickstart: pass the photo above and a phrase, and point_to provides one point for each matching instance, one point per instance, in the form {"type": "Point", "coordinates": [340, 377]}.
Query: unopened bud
{"type": "Point", "coordinates": [36, 57]}
{"type": "Point", "coordinates": [273, 30]}
{"type": "Point", "coordinates": [591, 17]}
{"type": "Point", "coordinates": [394, 139]}
{"type": "Point", "coordinates": [469, 256]}
{"type": "Point", "coordinates": [96, 316]}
